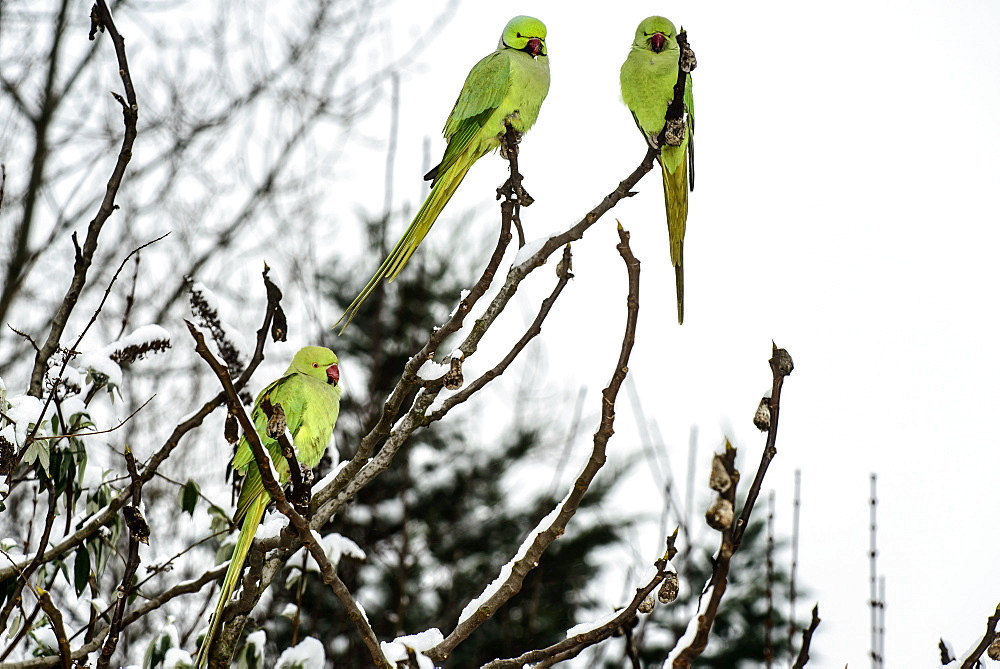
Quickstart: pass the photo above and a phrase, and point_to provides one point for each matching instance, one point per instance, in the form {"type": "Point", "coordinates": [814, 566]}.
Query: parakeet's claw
{"type": "Point", "coordinates": [513, 190]}
{"type": "Point", "coordinates": [653, 142]}
{"type": "Point", "coordinates": [673, 132]}
{"type": "Point", "coordinates": [510, 139]}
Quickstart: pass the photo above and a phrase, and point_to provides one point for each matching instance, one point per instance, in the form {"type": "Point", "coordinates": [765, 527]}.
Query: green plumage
{"type": "Point", "coordinates": [508, 85]}
{"type": "Point", "coordinates": [309, 395]}
{"type": "Point", "coordinates": [648, 76]}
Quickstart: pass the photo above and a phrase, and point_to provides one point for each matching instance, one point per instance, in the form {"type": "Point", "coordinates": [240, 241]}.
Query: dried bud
{"type": "Point", "coordinates": [565, 264]}
{"type": "Point", "coordinates": [453, 378]}
{"type": "Point", "coordinates": [762, 419]}
{"type": "Point", "coordinates": [232, 430]}
{"type": "Point", "coordinates": [719, 480]}
{"type": "Point", "coordinates": [276, 423]}
{"type": "Point", "coordinates": [688, 62]}
{"type": "Point", "coordinates": [279, 325]}
{"type": "Point", "coordinates": [137, 525]}
{"type": "Point", "coordinates": [720, 515]}
{"type": "Point", "coordinates": [669, 588]}
{"type": "Point", "coordinates": [647, 605]}
{"type": "Point", "coordinates": [780, 361]}
{"type": "Point", "coordinates": [674, 132]}
{"type": "Point", "coordinates": [993, 652]}
{"type": "Point", "coordinates": [6, 457]}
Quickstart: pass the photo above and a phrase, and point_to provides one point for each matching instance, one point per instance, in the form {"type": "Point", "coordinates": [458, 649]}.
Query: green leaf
{"type": "Point", "coordinates": [81, 569]}
{"type": "Point", "coordinates": [156, 652]}
{"type": "Point", "coordinates": [189, 495]}
{"type": "Point", "coordinates": [220, 520]}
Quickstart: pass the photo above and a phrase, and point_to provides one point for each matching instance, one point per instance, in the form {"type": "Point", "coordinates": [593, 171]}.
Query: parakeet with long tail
{"type": "Point", "coordinates": [309, 395]}
{"type": "Point", "coordinates": [648, 76]}
{"type": "Point", "coordinates": [507, 85]}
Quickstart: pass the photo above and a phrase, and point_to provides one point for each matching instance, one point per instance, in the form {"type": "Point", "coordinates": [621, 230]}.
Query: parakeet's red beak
{"type": "Point", "coordinates": [333, 374]}
{"type": "Point", "coordinates": [534, 46]}
{"type": "Point", "coordinates": [657, 41]}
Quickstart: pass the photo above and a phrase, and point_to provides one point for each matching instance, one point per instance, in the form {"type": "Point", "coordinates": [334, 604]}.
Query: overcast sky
{"type": "Point", "coordinates": [847, 165]}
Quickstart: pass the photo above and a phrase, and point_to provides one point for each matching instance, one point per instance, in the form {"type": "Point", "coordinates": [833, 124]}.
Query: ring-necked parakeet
{"type": "Point", "coordinates": [309, 395]}
{"type": "Point", "coordinates": [648, 76]}
{"type": "Point", "coordinates": [509, 84]}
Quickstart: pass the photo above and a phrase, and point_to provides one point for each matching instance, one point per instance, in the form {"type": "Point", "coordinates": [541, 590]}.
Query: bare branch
{"type": "Point", "coordinates": [555, 525]}
{"type": "Point", "coordinates": [95, 432]}
{"type": "Point", "coordinates": [55, 617]}
{"type": "Point", "coordinates": [138, 533]}
{"type": "Point", "coordinates": [807, 635]}
{"type": "Point", "coordinates": [85, 256]}
{"type": "Point", "coordinates": [988, 639]}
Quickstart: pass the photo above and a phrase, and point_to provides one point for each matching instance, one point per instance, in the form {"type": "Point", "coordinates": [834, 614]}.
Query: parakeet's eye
{"type": "Point", "coordinates": [316, 365]}
{"type": "Point", "coordinates": [519, 34]}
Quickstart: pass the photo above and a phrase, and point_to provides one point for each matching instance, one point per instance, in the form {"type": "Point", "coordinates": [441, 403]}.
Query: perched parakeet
{"type": "Point", "coordinates": [507, 85]}
{"type": "Point", "coordinates": [648, 76]}
{"type": "Point", "coordinates": [309, 395]}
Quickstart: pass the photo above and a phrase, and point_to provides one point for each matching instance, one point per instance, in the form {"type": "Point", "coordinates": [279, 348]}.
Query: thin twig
{"type": "Point", "coordinates": [26, 571]}
{"type": "Point", "coordinates": [807, 635]}
{"type": "Point", "coordinates": [85, 255]}
{"type": "Point", "coordinates": [530, 553]}
{"type": "Point", "coordinates": [533, 331]}
{"type": "Point", "coordinates": [55, 617]}
{"type": "Point", "coordinates": [95, 432]}
{"type": "Point", "coordinates": [138, 533]}
{"type": "Point", "coordinates": [991, 634]}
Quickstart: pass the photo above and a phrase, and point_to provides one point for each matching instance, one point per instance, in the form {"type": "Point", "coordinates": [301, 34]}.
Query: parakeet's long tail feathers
{"type": "Point", "coordinates": [443, 188]}
{"type": "Point", "coordinates": [247, 532]}
{"type": "Point", "coordinates": [675, 192]}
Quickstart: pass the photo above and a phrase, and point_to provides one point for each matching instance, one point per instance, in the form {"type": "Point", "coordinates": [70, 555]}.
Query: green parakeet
{"type": "Point", "coordinates": [507, 85]}
{"type": "Point", "coordinates": [309, 395]}
{"type": "Point", "coordinates": [648, 76]}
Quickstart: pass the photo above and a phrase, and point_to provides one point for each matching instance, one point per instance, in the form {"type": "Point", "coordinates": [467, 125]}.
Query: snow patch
{"type": "Point", "coordinates": [177, 658]}
{"type": "Point", "coordinates": [398, 649]}
{"type": "Point", "coordinates": [24, 411]}
{"type": "Point", "coordinates": [431, 370]}
{"type": "Point", "coordinates": [336, 546]}
{"type": "Point", "coordinates": [529, 249]}
{"type": "Point", "coordinates": [307, 655]}
{"type": "Point", "coordinates": [583, 628]}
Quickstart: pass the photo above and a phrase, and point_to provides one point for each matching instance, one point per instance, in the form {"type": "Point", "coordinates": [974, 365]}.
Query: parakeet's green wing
{"type": "Point", "coordinates": [485, 89]}
{"type": "Point", "coordinates": [286, 392]}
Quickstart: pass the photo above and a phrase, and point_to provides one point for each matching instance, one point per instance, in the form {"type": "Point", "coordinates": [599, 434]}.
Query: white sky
{"type": "Point", "coordinates": [847, 158]}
